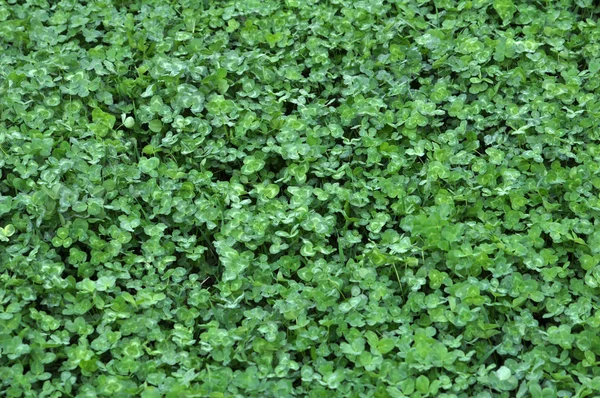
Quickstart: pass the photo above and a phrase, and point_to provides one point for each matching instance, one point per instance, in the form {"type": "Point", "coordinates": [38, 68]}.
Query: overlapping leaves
{"type": "Point", "coordinates": [299, 198]}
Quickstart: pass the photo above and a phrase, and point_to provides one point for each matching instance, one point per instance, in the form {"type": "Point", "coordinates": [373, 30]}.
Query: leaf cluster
{"type": "Point", "coordinates": [278, 198]}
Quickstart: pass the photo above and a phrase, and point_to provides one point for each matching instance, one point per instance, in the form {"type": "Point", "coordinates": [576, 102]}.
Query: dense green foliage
{"type": "Point", "coordinates": [275, 198]}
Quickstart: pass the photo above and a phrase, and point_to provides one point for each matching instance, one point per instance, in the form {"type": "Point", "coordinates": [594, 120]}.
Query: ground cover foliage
{"type": "Point", "coordinates": [299, 198]}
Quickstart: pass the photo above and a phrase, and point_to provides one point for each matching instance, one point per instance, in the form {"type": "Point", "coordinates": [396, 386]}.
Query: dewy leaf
{"type": "Point", "coordinates": [503, 373]}
{"type": "Point", "coordinates": [148, 164]}
{"type": "Point", "coordinates": [128, 121]}
{"type": "Point", "coordinates": [505, 9]}
{"type": "Point", "coordinates": [101, 117]}
{"type": "Point", "coordinates": [252, 165]}
{"type": "Point", "coordinates": [6, 232]}
{"type": "Point", "coordinates": [104, 283]}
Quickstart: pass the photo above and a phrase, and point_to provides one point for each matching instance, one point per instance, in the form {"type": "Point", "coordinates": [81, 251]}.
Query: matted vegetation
{"type": "Point", "coordinates": [299, 198]}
